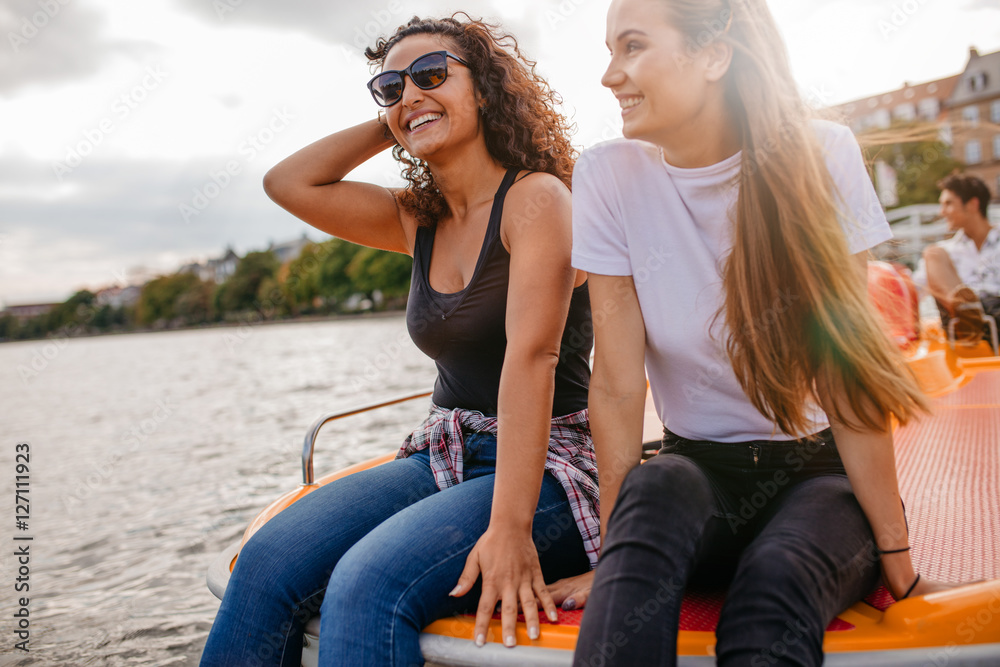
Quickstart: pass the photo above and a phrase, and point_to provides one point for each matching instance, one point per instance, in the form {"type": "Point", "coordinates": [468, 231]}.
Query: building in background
{"type": "Point", "coordinates": [117, 296]}
{"type": "Point", "coordinates": [214, 270]}
{"type": "Point", "coordinates": [923, 102]}
{"type": "Point", "coordinates": [219, 270]}
{"type": "Point", "coordinates": [29, 310]}
{"type": "Point", "coordinates": [965, 108]}
{"type": "Point", "coordinates": [974, 115]}
{"type": "Point", "coordinates": [289, 250]}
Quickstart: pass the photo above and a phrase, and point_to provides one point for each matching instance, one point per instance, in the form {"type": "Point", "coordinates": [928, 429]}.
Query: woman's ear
{"type": "Point", "coordinates": [481, 100]}
{"type": "Point", "coordinates": [718, 57]}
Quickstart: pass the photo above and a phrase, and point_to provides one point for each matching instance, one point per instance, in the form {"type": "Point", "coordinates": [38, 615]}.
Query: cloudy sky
{"type": "Point", "coordinates": [135, 133]}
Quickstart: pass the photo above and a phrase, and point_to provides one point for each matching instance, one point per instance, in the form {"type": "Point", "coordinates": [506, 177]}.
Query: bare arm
{"type": "Point", "coordinates": [870, 462]}
{"type": "Point", "coordinates": [618, 385]}
{"type": "Point", "coordinates": [541, 284]}
{"type": "Point", "coordinates": [617, 402]}
{"type": "Point", "coordinates": [309, 184]}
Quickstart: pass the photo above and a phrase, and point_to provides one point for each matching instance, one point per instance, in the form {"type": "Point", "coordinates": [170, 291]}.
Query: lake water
{"type": "Point", "coordinates": [149, 453]}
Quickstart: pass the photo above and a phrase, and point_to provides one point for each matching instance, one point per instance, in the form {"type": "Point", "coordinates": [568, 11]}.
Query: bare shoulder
{"type": "Point", "coordinates": [538, 203]}
{"type": "Point", "coordinates": [407, 219]}
{"type": "Point", "coordinates": [538, 185]}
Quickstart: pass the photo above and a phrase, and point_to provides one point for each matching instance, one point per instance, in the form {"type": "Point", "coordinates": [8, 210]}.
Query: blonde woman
{"type": "Point", "coordinates": [725, 240]}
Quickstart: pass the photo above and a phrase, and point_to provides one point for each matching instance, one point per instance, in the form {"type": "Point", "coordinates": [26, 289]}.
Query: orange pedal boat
{"type": "Point", "coordinates": [949, 474]}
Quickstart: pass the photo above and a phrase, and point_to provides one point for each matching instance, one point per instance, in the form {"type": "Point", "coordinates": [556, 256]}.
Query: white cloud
{"type": "Point", "coordinates": [50, 42]}
{"type": "Point", "coordinates": [224, 77]}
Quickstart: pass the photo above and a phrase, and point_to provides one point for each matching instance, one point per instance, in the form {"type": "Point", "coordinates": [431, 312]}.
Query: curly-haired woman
{"type": "Point", "coordinates": [499, 481]}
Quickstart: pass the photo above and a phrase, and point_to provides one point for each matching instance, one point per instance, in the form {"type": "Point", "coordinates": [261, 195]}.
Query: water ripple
{"type": "Point", "coordinates": [151, 452]}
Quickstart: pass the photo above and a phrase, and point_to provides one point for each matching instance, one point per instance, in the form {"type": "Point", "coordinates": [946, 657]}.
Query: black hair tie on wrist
{"type": "Point", "coordinates": [910, 589]}
{"type": "Point", "coordinates": [891, 551]}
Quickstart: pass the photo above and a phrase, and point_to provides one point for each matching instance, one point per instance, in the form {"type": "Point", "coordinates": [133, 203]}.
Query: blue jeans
{"type": "Point", "coordinates": [776, 522]}
{"type": "Point", "coordinates": [376, 553]}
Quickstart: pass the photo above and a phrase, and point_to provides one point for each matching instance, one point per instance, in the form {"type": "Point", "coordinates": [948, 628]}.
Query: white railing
{"type": "Point", "coordinates": [914, 227]}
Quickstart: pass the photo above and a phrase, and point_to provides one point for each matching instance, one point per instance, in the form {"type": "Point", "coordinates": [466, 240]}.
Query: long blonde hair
{"type": "Point", "coordinates": [787, 236]}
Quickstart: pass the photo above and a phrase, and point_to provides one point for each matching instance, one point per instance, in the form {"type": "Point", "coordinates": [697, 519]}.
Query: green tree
{"type": "Point", "coordinates": [300, 279]}
{"type": "Point", "coordinates": [919, 167]}
{"type": "Point", "coordinates": [239, 293]}
{"type": "Point", "coordinates": [74, 314]}
{"type": "Point", "coordinates": [273, 299]}
{"type": "Point", "coordinates": [334, 257]}
{"type": "Point", "coordinates": [161, 296]}
{"type": "Point", "coordinates": [36, 327]}
{"type": "Point", "coordinates": [103, 317]}
{"type": "Point", "coordinates": [9, 327]}
{"type": "Point", "coordinates": [919, 159]}
{"type": "Point", "coordinates": [387, 272]}
{"type": "Point", "coordinates": [195, 304]}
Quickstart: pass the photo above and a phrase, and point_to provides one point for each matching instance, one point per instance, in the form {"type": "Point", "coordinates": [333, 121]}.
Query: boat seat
{"type": "Point", "coordinates": [949, 473]}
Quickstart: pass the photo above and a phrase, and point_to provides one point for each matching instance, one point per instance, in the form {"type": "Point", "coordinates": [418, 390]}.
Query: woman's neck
{"type": "Point", "coordinates": [709, 138]}
{"type": "Point", "coordinates": [467, 177]}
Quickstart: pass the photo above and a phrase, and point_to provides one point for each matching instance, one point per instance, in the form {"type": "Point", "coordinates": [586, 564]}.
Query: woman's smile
{"type": "Point", "coordinates": [422, 120]}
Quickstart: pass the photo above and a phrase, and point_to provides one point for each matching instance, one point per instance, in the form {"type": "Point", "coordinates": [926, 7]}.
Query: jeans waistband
{"type": "Point", "coordinates": [818, 453]}
{"type": "Point", "coordinates": [825, 436]}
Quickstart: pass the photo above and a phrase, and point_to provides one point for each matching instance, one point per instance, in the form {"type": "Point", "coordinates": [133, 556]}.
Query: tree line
{"type": "Point", "coordinates": [330, 277]}
{"type": "Point", "coordinates": [326, 278]}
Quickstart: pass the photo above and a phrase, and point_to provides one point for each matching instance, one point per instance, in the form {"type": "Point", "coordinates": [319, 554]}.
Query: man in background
{"type": "Point", "coordinates": [964, 270]}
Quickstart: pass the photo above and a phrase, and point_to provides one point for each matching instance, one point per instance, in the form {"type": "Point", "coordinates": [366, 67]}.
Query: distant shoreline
{"type": "Point", "coordinates": [384, 314]}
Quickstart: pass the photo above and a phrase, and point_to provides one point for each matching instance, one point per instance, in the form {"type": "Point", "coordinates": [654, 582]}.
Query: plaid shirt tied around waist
{"type": "Point", "coordinates": [570, 458]}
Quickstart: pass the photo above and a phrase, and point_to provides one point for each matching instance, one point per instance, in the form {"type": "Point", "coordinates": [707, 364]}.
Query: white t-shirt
{"type": "Point", "coordinates": [669, 228]}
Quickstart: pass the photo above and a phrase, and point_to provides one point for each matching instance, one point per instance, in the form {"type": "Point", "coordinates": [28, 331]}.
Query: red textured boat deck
{"type": "Point", "coordinates": [949, 477]}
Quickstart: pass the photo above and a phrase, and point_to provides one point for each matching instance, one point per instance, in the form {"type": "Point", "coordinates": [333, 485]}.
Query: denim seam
{"type": "Point", "coordinates": [542, 510]}
{"type": "Point", "coordinates": [431, 570]}
{"type": "Point", "coordinates": [284, 646]}
{"type": "Point", "coordinates": [399, 600]}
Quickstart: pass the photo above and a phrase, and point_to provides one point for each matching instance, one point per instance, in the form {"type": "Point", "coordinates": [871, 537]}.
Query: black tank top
{"type": "Point", "coordinates": [464, 332]}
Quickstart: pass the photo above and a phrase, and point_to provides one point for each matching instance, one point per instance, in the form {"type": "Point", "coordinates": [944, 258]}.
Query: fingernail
{"type": "Point", "coordinates": [510, 642]}
{"type": "Point", "coordinates": [569, 604]}
{"type": "Point", "coordinates": [533, 633]}
{"type": "Point", "coordinates": [455, 590]}
{"type": "Point", "coordinates": [480, 640]}
{"type": "Point", "coordinates": [554, 617]}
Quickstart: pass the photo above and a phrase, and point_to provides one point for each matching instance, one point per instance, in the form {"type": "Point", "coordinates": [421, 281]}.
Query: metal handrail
{"type": "Point", "coordinates": [308, 478]}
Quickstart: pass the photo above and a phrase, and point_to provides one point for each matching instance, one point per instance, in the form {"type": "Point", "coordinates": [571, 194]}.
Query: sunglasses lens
{"type": "Point", "coordinates": [430, 71]}
{"type": "Point", "coordinates": [387, 89]}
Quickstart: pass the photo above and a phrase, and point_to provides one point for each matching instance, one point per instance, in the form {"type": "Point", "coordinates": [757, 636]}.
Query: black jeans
{"type": "Point", "coordinates": [777, 522]}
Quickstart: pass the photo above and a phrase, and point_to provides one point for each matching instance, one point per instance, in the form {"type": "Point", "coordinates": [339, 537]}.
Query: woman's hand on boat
{"type": "Point", "coordinates": [572, 592]}
{"type": "Point", "coordinates": [508, 562]}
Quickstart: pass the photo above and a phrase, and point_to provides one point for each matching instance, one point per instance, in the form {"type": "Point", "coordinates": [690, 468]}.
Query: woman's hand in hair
{"type": "Point", "coordinates": [310, 185]}
{"type": "Point", "coordinates": [572, 592]}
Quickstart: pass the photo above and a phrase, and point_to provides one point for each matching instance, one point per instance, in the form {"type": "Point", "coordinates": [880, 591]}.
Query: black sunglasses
{"type": "Point", "coordinates": [428, 71]}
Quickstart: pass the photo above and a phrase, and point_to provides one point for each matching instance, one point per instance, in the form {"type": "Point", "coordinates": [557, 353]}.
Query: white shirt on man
{"type": "Point", "coordinates": [669, 228]}
{"type": "Point", "coordinates": [979, 268]}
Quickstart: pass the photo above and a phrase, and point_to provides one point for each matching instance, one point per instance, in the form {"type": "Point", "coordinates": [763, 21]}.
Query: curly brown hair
{"type": "Point", "coordinates": [522, 128]}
